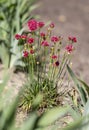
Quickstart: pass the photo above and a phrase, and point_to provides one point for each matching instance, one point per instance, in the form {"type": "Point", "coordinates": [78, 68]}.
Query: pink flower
{"type": "Point", "coordinates": [25, 54]}
{"type": "Point", "coordinates": [42, 34]}
{"type": "Point", "coordinates": [54, 56]}
{"type": "Point", "coordinates": [73, 39]}
{"type": "Point", "coordinates": [54, 39]}
{"type": "Point", "coordinates": [31, 51]}
{"type": "Point", "coordinates": [23, 36]}
{"type": "Point", "coordinates": [69, 48]}
{"type": "Point", "coordinates": [40, 24]}
{"type": "Point", "coordinates": [52, 25]}
{"type": "Point", "coordinates": [32, 25]}
{"type": "Point", "coordinates": [17, 36]}
{"type": "Point", "coordinates": [30, 40]}
{"type": "Point", "coordinates": [45, 43]}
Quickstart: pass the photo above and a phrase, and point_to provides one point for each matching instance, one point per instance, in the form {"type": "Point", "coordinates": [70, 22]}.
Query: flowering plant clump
{"type": "Point", "coordinates": [45, 60]}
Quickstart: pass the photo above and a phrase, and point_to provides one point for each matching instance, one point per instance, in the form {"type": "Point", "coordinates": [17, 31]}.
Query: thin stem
{"type": "Point", "coordinates": [64, 56]}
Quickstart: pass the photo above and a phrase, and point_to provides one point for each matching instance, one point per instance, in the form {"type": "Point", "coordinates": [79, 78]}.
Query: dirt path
{"type": "Point", "coordinates": [71, 18]}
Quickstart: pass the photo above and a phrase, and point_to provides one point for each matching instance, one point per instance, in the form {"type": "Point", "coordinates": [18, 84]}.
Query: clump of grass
{"type": "Point", "coordinates": [46, 61]}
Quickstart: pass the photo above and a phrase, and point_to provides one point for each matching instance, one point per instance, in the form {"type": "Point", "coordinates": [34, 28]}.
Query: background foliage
{"type": "Point", "coordinates": [13, 16]}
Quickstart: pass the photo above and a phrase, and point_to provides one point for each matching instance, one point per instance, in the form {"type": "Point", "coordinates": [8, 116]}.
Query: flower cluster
{"type": "Point", "coordinates": [33, 25]}
{"type": "Point", "coordinates": [36, 42]}
{"type": "Point", "coordinates": [54, 39]}
{"type": "Point", "coordinates": [69, 48]}
{"type": "Point", "coordinates": [73, 39]}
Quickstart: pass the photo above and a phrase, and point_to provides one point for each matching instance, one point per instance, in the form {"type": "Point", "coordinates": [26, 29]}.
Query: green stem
{"type": "Point", "coordinates": [62, 68]}
{"type": "Point", "coordinates": [64, 57]}
{"type": "Point", "coordinates": [38, 76]}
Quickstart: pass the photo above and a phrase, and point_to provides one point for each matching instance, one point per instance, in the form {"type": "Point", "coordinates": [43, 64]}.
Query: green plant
{"type": "Point", "coordinates": [81, 86]}
{"type": "Point", "coordinates": [9, 105]}
{"type": "Point", "coordinates": [34, 120]}
{"type": "Point", "coordinates": [45, 60]}
{"type": "Point", "coordinates": [50, 96]}
{"type": "Point", "coordinates": [82, 119]}
{"type": "Point", "coordinates": [13, 16]}
{"type": "Point", "coordinates": [81, 122]}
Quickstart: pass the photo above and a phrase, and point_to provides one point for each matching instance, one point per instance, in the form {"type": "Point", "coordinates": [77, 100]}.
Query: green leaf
{"type": "Point", "coordinates": [51, 116]}
{"type": "Point", "coordinates": [85, 86]}
{"type": "Point", "coordinates": [37, 101]}
{"type": "Point", "coordinates": [16, 53]}
{"type": "Point", "coordinates": [86, 115]}
{"type": "Point", "coordinates": [4, 56]}
{"type": "Point", "coordinates": [29, 124]}
{"type": "Point", "coordinates": [74, 113]}
{"type": "Point", "coordinates": [86, 108]}
{"type": "Point", "coordinates": [78, 86]}
{"type": "Point", "coordinates": [8, 115]}
{"type": "Point", "coordinates": [74, 125]}
{"type": "Point", "coordinates": [33, 7]}
{"type": "Point", "coordinates": [3, 84]}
